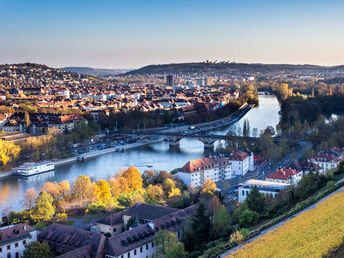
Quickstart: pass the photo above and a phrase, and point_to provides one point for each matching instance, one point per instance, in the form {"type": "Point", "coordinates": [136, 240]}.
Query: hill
{"type": "Point", "coordinates": [95, 71]}
{"type": "Point", "coordinates": [223, 68]}
{"type": "Point", "coordinates": [314, 233]}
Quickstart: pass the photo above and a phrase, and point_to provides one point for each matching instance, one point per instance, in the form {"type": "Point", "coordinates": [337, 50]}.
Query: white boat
{"type": "Point", "coordinates": [30, 169]}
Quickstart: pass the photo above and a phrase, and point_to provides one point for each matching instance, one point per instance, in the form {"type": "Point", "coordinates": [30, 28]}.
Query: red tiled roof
{"type": "Point", "coordinates": [205, 163]}
{"type": "Point", "coordinates": [284, 174]}
{"type": "Point", "coordinates": [239, 155]}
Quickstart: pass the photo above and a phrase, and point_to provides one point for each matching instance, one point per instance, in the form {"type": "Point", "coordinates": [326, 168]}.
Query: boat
{"type": "Point", "coordinates": [30, 169]}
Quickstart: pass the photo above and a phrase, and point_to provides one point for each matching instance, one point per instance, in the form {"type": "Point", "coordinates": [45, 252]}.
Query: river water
{"type": "Point", "coordinates": [156, 156]}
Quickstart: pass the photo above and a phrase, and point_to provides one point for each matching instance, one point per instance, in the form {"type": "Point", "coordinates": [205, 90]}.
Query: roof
{"type": "Point", "coordinates": [14, 231]}
{"type": "Point", "coordinates": [144, 234]}
{"type": "Point", "coordinates": [284, 174]}
{"type": "Point", "coordinates": [129, 240]}
{"type": "Point", "coordinates": [304, 165]}
{"type": "Point", "coordinates": [324, 157]}
{"type": "Point", "coordinates": [203, 164]}
{"type": "Point", "coordinates": [113, 219]}
{"type": "Point", "coordinates": [63, 239]}
{"type": "Point", "coordinates": [239, 155]}
{"type": "Point", "coordinates": [148, 211]}
{"type": "Point", "coordinates": [265, 184]}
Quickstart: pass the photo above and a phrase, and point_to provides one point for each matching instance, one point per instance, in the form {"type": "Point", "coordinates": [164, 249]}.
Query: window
{"type": "Point", "coordinates": [135, 252]}
{"type": "Point", "coordinates": [8, 255]}
{"type": "Point", "coordinates": [24, 242]}
{"type": "Point", "coordinates": [16, 244]}
{"type": "Point", "coordinates": [128, 254]}
{"type": "Point", "coordinates": [243, 192]}
{"type": "Point", "coordinates": [0, 249]}
{"type": "Point", "coordinates": [8, 247]}
{"type": "Point", "coordinates": [17, 255]}
{"type": "Point", "coordinates": [122, 256]}
{"type": "Point", "coordinates": [141, 249]}
{"type": "Point", "coordinates": [146, 246]}
{"type": "Point", "coordinates": [114, 229]}
{"type": "Point", "coordinates": [152, 244]}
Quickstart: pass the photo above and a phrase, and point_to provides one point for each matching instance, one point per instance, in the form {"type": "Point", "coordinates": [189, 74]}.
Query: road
{"type": "Point", "coordinates": [280, 224]}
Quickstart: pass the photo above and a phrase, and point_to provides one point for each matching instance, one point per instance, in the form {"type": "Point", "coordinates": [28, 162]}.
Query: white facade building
{"type": "Point", "coordinates": [241, 163]}
{"type": "Point", "coordinates": [195, 172]}
{"type": "Point", "coordinates": [325, 161]}
{"type": "Point", "coordinates": [264, 187]}
{"type": "Point", "coordinates": [13, 239]}
{"type": "Point", "coordinates": [286, 176]}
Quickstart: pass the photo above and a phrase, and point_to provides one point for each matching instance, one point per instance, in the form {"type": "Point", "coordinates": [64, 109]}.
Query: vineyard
{"type": "Point", "coordinates": [313, 233]}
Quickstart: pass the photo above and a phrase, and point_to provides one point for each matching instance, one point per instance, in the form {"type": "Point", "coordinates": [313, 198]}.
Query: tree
{"type": "Point", "coordinates": [27, 119]}
{"type": "Point", "coordinates": [64, 189]}
{"type": "Point", "coordinates": [133, 177]}
{"type": "Point", "coordinates": [170, 188]}
{"type": "Point", "coordinates": [221, 223]}
{"type": "Point", "coordinates": [155, 194]}
{"type": "Point", "coordinates": [52, 189]}
{"type": "Point", "coordinates": [136, 198]}
{"type": "Point", "coordinates": [148, 177]}
{"type": "Point", "coordinates": [255, 200]}
{"type": "Point", "coordinates": [103, 190]}
{"type": "Point", "coordinates": [168, 244]}
{"type": "Point", "coordinates": [248, 218]}
{"type": "Point", "coordinates": [199, 232]}
{"type": "Point", "coordinates": [8, 152]}
{"type": "Point", "coordinates": [38, 250]}
{"type": "Point", "coordinates": [83, 189]}
{"type": "Point", "coordinates": [208, 188]}
{"type": "Point", "coordinates": [44, 209]}
{"type": "Point", "coordinates": [29, 198]}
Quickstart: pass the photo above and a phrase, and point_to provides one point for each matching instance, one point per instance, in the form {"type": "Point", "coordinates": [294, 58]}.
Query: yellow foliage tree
{"type": "Point", "coordinates": [208, 188]}
{"type": "Point", "coordinates": [52, 189]}
{"type": "Point", "coordinates": [155, 193]}
{"type": "Point", "coordinates": [133, 178]}
{"type": "Point", "coordinates": [102, 190]}
{"type": "Point", "coordinates": [170, 188]}
{"type": "Point", "coordinates": [8, 152]}
{"type": "Point", "coordinates": [64, 189]}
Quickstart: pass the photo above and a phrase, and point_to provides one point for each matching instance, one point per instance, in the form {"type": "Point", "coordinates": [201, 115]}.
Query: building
{"type": "Point", "coordinates": [242, 162]}
{"type": "Point", "coordinates": [305, 167]}
{"type": "Point", "coordinates": [169, 80]}
{"type": "Point", "coordinates": [195, 172]}
{"type": "Point", "coordinates": [13, 239]}
{"type": "Point", "coordinates": [286, 176]}
{"type": "Point", "coordinates": [264, 187]}
{"type": "Point", "coordinates": [70, 242]}
{"type": "Point", "coordinates": [139, 241]}
{"type": "Point", "coordinates": [325, 161]}
{"type": "Point", "coordinates": [116, 223]}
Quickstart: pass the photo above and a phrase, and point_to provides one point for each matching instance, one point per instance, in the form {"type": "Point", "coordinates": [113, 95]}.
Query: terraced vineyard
{"type": "Point", "coordinates": [313, 233]}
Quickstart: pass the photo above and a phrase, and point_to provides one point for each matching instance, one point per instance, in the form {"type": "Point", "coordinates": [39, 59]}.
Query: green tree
{"type": "Point", "coordinates": [248, 218]}
{"type": "Point", "coordinates": [44, 209]}
{"type": "Point", "coordinates": [255, 200]}
{"type": "Point", "coordinates": [221, 223]}
{"type": "Point", "coordinates": [38, 250]}
{"type": "Point", "coordinates": [168, 244]}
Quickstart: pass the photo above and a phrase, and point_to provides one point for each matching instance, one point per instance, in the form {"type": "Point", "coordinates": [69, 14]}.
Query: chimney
{"type": "Point", "coordinates": [25, 227]}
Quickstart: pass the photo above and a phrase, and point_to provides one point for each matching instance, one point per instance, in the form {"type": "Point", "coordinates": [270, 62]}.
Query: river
{"type": "Point", "coordinates": [156, 156]}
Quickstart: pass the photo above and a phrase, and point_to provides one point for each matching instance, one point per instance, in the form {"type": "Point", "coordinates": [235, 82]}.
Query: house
{"type": "Point", "coordinates": [326, 161]}
{"type": "Point", "coordinates": [286, 176]}
{"type": "Point", "coordinates": [265, 187]}
{"type": "Point", "coordinates": [242, 162]}
{"type": "Point", "coordinates": [305, 166]}
{"type": "Point", "coordinates": [115, 223]}
{"type": "Point", "coordinates": [139, 241]}
{"type": "Point", "coordinates": [3, 120]}
{"type": "Point", "coordinates": [70, 242]}
{"type": "Point", "coordinates": [13, 239]}
{"type": "Point", "coordinates": [195, 172]}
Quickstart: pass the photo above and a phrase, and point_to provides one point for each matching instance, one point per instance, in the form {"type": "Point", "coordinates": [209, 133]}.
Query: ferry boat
{"type": "Point", "coordinates": [30, 169]}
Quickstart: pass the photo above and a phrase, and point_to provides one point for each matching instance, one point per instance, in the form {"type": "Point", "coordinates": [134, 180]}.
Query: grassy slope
{"type": "Point", "coordinates": [314, 233]}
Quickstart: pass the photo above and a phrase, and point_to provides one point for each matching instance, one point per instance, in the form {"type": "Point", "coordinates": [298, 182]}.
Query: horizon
{"type": "Point", "coordinates": [130, 35]}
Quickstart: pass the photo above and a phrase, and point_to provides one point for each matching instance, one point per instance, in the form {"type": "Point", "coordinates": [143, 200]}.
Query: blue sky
{"type": "Point", "coordinates": [133, 33]}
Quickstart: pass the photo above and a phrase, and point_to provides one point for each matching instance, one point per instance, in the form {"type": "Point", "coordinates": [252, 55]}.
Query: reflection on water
{"type": "Point", "coordinates": [158, 156]}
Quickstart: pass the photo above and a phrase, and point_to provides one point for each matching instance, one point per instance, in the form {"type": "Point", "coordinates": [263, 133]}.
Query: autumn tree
{"type": "Point", "coordinates": [133, 178]}
{"type": "Point", "coordinates": [29, 198]}
{"type": "Point", "coordinates": [44, 209]}
{"type": "Point", "coordinates": [170, 188]}
{"type": "Point", "coordinates": [208, 188]}
{"type": "Point", "coordinates": [51, 188]}
{"type": "Point", "coordinates": [102, 190]}
{"type": "Point", "coordinates": [8, 152]}
{"type": "Point", "coordinates": [148, 177]}
{"type": "Point", "coordinates": [155, 194]}
{"type": "Point", "coordinates": [64, 189]}
{"type": "Point", "coordinates": [83, 189]}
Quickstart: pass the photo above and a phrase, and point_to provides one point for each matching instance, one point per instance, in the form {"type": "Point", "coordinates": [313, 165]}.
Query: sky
{"type": "Point", "coordinates": [134, 33]}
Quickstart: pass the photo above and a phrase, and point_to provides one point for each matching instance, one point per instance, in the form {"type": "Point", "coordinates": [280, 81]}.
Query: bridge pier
{"type": "Point", "coordinates": [174, 141]}
{"type": "Point", "coordinates": [208, 143]}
